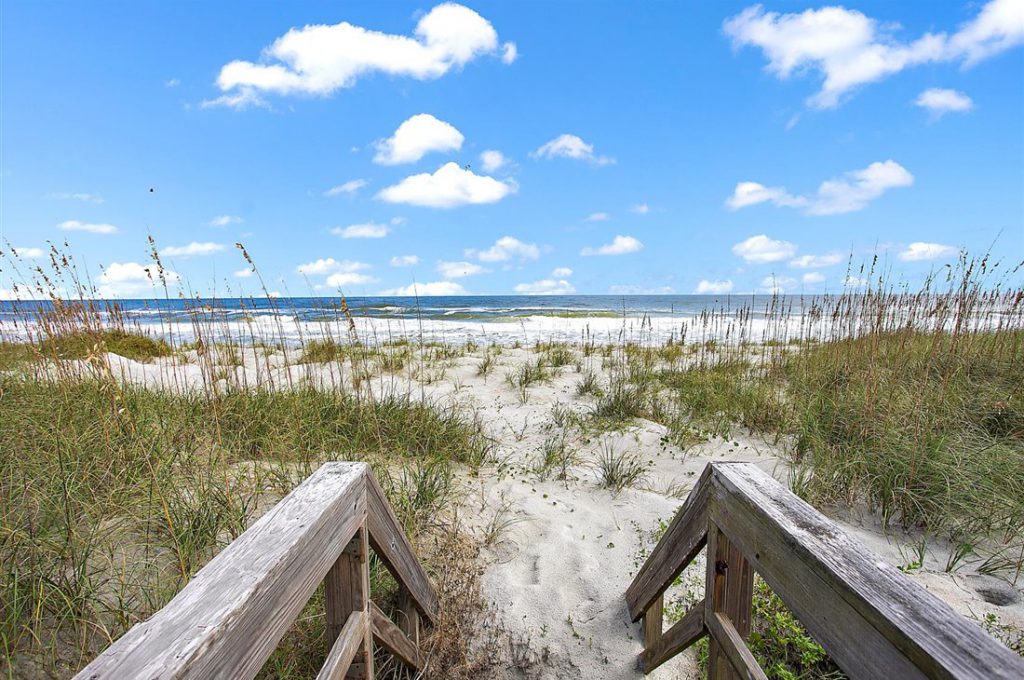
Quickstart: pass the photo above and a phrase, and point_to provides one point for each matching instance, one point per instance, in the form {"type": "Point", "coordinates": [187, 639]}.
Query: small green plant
{"type": "Point", "coordinates": [618, 470]}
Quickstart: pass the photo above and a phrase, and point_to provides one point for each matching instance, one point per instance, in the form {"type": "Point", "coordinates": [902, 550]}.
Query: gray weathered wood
{"type": "Point", "coordinates": [729, 589]}
{"type": "Point", "coordinates": [392, 547]}
{"type": "Point", "coordinates": [347, 590]}
{"type": "Point", "coordinates": [231, 615]}
{"type": "Point", "coordinates": [681, 635]}
{"type": "Point", "coordinates": [873, 620]}
{"type": "Point", "coordinates": [681, 543]}
{"type": "Point", "coordinates": [734, 648]}
{"type": "Point", "coordinates": [351, 637]}
{"type": "Point", "coordinates": [408, 617]}
{"type": "Point", "coordinates": [391, 638]}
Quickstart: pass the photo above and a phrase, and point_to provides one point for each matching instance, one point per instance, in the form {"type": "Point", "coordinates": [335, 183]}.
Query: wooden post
{"type": "Point", "coordinates": [730, 589]}
{"type": "Point", "coordinates": [653, 622]}
{"type": "Point", "coordinates": [408, 616]}
{"type": "Point", "coordinates": [347, 589]}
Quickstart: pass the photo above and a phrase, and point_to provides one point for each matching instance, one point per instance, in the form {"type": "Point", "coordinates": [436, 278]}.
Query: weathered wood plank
{"type": "Point", "coordinates": [681, 543]}
{"type": "Point", "coordinates": [351, 637]}
{"type": "Point", "coordinates": [681, 635]}
{"type": "Point", "coordinates": [653, 621]}
{"type": "Point", "coordinates": [347, 590]}
{"type": "Point", "coordinates": [734, 648]}
{"type": "Point", "coordinates": [388, 635]}
{"type": "Point", "coordinates": [231, 615]}
{"type": "Point", "coordinates": [408, 616]}
{"type": "Point", "coordinates": [873, 620]}
{"type": "Point", "coordinates": [730, 583]}
{"type": "Point", "coordinates": [392, 547]}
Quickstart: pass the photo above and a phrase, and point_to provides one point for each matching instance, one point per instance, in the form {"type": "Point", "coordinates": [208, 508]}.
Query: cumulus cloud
{"type": "Point", "coordinates": [762, 249]}
{"type": "Point", "coordinates": [706, 287]}
{"type": "Point", "coordinates": [620, 245]}
{"type": "Point", "coordinates": [940, 101]}
{"type": "Point", "coordinates": [126, 279]}
{"type": "Point", "coordinates": [458, 270]}
{"type": "Point", "coordinates": [506, 248]}
{"type": "Point", "coordinates": [342, 279]}
{"type": "Point", "coordinates": [545, 287]}
{"type": "Point", "coordinates": [415, 138]}
{"type": "Point", "coordinates": [571, 146]}
{"type": "Point", "coordinates": [918, 251]}
{"type": "Point", "coordinates": [193, 248]}
{"type": "Point", "coordinates": [405, 260]}
{"type": "Point", "coordinates": [320, 59]}
{"type": "Point", "coordinates": [327, 265]}
{"type": "Point", "coordinates": [561, 272]}
{"type": "Point", "coordinates": [641, 209]}
{"type": "Point", "coordinates": [816, 261]}
{"type": "Point", "coordinates": [27, 253]}
{"type": "Point", "coordinates": [855, 282]}
{"type": "Point", "coordinates": [849, 49]}
{"type": "Point", "coordinates": [350, 187]}
{"type": "Point", "coordinates": [368, 230]}
{"type": "Point", "coordinates": [75, 225]}
{"type": "Point", "coordinates": [224, 220]}
{"type": "Point", "coordinates": [598, 217]}
{"type": "Point", "coordinates": [83, 196]}
{"type": "Point", "coordinates": [509, 52]}
{"type": "Point", "coordinates": [426, 289]}
{"type": "Point", "coordinates": [450, 186]}
{"type": "Point", "coordinates": [850, 193]}
{"type": "Point", "coordinates": [493, 160]}
{"type": "Point", "coordinates": [813, 278]}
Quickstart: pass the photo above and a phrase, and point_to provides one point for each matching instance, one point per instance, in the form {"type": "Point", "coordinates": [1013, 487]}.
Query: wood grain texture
{"type": "Point", "coordinates": [351, 637]}
{"type": "Point", "coordinates": [730, 583]}
{"type": "Point", "coordinates": [873, 620]}
{"type": "Point", "coordinates": [408, 617]}
{"type": "Point", "coordinates": [388, 636]}
{"type": "Point", "coordinates": [231, 615]}
{"type": "Point", "coordinates": [734, 648]}
{"type": "Point", "coordinates": [683, 540]}
{"type": "Point", "coordinates": [653, 621]}
{"type": "Point", "coordinates": [392, 547]}
{"type": "Point", "coordinates": [681, 635]}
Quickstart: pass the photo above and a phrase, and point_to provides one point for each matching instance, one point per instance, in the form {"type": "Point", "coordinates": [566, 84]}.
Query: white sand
{"type": "Point", "coordinates": [557, 573]}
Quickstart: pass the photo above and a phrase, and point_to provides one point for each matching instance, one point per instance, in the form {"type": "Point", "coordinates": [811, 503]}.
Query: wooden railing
{"type": "Point", "coordinates": [229, 618]}
{"type": "Point", "coordinates": [873, 620]}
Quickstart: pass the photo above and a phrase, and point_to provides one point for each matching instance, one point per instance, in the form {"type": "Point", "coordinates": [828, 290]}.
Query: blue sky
{"type": "Point", "coordinates": [651, 147]}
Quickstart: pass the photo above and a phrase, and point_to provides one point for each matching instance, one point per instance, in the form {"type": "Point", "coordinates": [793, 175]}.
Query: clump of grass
{"type": "Point", "coordinates": [619, 469]}
{"type": "Point", "coordinates": [321, 351]}
{"type": "Point", "coordinates": [526, 375]}
{"type": "Point", "coordinates": [555, 458]}
{"type": "Point", "coordinates": [486, 364]}
{"type": "Point", "coordinates": [588, 385]}
{"type": "Point", "coordinates": [84, 343]}
{"type": "Point", "coordinates": [557, 355]}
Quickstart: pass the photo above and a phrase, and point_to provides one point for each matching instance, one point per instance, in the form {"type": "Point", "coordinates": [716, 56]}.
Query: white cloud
{"type": "Point", "coordinates": [75, 225]}
{"type": "Point", "coordinates": [342, 279]}
{"type": "Point", "coordinates": [449, 187]}
{"type": "Point", "coordinates": [244, 273]}
{"type": "Point", "coordinates": [813, 278]}
{"type": "Point", "coordinates": [193, 248]}
{"type": "Point", "coordinates": [598, 217]}
{"type": "Point", "coordinates": [78, 196]}
{"type": "Point", "coordinates": [398, 221]}
{"type": "Point", "coordinates": [368, 230]}
{"type": "Point", "coordinates": [850, 49]}
{"type": "Point", "coordinates": [350, 187]}
{"type": "Point", "coordinates": [224, 220]}
{"type": "Point", "coordinates": [918, 251]}
{"type": "Point", "coordinates": [415, 138]}
{"type": "Point", "coordinates": [405, 260]}
{"type": "Point", "coordinates": [777, 285]}
{"type": "Point", "coordinates": [493, 160]}
{"type": "Point", "coordinates": [640, 290]}
{"type": "Point", "coordinates": [426, 289]}
{"type": "Point", "coordinates": [125, 279]}
{"type": "Point", "coordinates": [855, 282]}
{"type": "Point", "coordinates": [172, 82]}
{"type": "Point", "coordinates": [27, 253]}
{"type": "Point", "coordinates": [706, 287]}
{"type": "Point", "coordinates": [760, 248]}
{"type": "Point", "coordinates": [850, 193]}
{"type": "Point", "coordinates": [545, 287]}
{"type": "Point", "coordinates": [327, 265]}
{"type": "Point", "coordinates": [816, 261]}
{"type": "Point", "coordinates": [561, 272]}
{"type": "Point", "coordinates": [509, 52]}
{"type": "Point", "coordinates": [458, 270]}
{"type": "Point", "coordinates": [940, 101]}
{"type": "Point", "coordinates": [641, 209]}
{"type": "Point", "coordinates": [571, 146]}
{"type": "Point", "coordinates": [506, 248]}
{"type": "Point", "coordinates": [321, 59]}
{"type": "Point", "coordinates": [620, 245]}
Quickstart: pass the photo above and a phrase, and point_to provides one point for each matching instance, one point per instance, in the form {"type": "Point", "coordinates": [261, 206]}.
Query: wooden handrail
{"type": "Point", "coordinates": [229, 618]}
{"type": "Point", "coordinates": [873, 620]}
